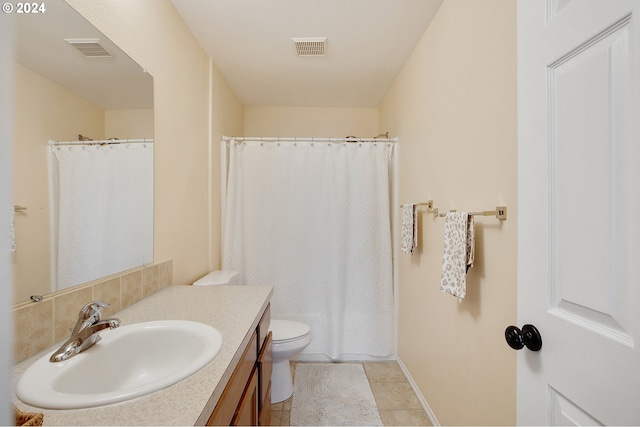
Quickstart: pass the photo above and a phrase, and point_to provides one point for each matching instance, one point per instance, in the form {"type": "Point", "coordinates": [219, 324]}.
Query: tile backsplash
{"type": "Point", "coordinates": [39, 325]}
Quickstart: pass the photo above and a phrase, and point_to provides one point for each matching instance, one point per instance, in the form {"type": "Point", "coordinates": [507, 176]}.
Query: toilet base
{"type": "Point", "coordinates": [281, 381]}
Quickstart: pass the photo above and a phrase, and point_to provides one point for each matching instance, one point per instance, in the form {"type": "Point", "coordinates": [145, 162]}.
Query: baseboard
{"type": "Point", "coordinates": [421, 399]}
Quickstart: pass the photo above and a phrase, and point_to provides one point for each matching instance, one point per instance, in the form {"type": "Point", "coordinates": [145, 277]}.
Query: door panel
{"type": "Point", "coordinates": [589, 107]}
{"type": "Point", "coordinates": [579, 195]}
{"type": "Point", "coordinates": [554, 7]}
{"type": "Point", "coordinates": [566, 413]}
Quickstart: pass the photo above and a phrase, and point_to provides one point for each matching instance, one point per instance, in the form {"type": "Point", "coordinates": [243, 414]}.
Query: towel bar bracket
{"type": "Point", "coordinates": [501, 212]}
{"type": "Point", "coordinates": [428, 204]}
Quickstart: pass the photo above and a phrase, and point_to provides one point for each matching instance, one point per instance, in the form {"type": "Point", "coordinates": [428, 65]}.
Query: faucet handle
{"type": "Point", "coordinates": [89, 315]}
{"type": "Point", "coordinates": [93, 310]}
{"type": "Point", "coordinates": [94, 306]}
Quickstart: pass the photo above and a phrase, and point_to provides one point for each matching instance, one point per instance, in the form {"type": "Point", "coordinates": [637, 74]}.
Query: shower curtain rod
{"type": "Point", "coordinates": [276, 139]}
{"type": "Point", "coordinates": [103, 142]}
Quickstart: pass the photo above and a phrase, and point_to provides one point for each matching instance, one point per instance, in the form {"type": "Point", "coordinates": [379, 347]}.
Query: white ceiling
{"type": "Point", "coordinates": [368, 42]}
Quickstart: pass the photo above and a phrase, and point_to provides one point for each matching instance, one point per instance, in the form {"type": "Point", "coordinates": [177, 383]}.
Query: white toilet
{"type": "Point", "coordinates": [289, 338]}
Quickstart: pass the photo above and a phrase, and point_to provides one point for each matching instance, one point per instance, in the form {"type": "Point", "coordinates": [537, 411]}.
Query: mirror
{"type": "Point", "coordinates": [65, 86]}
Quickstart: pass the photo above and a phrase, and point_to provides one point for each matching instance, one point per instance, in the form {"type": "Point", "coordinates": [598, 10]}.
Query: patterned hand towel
{"type": "Point", "coordinates": [459, 248]}
{"type": "Point", "coordinates": [409, 228]}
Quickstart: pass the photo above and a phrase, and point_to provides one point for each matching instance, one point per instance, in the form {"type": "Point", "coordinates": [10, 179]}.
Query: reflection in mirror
{"type": "Point", "coordinates": [63, 90]}
{"type": "Point", "coordinates": [96, 233]}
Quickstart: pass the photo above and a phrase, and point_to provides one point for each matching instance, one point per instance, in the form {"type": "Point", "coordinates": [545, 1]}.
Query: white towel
{"type": "Point", "coordinates": [12, 230]}
{"type": "Point", "coordinates": [409, 228]}
{"type": "Point", "coordinates": [459, 243]}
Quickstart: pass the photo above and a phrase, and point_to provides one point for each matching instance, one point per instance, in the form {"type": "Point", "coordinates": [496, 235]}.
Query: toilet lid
{"type": "Point", "coordinates": [218, 277]}
{"type": "Point", "coordinates": [282, 330]}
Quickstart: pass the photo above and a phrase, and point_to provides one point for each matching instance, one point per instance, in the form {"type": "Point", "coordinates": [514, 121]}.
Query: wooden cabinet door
{"type": "Point", "coordinates": [265, 411]}
{"type": "Point", "coordinates": [265, 366]}
{"type": "Point", "coordinates": [247, 413]}
{"type": "Point", "coordinates": [226, 408]}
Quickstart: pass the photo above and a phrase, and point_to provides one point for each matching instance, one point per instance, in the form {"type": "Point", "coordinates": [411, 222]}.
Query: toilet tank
{"type": "Point", "coordinates": [219, 277]}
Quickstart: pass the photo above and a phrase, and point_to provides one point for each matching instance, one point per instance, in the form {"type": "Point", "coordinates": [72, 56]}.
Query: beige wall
{"type": "Point", "coordinates": [128, 124]}
{"type": "Point", "coordinates": [310, 122]}
{"type": "Point", "coordinates": [454, 109]}
{"type": "Point", "coordinates": [44, 110]}
{"type": "Point", "coordinates": [227, 118]}
{"type": "Point", "coordinates": [154, 35]}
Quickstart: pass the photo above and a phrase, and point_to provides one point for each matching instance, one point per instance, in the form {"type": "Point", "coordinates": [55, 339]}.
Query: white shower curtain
{"type": "Point", "coordinates": [312, 220]}
{"type": "Point", "coordinates": [103, 201]}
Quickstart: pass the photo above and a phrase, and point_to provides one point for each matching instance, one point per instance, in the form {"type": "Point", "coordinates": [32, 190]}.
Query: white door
{"type": "Point", "coordinates": [579, 211]}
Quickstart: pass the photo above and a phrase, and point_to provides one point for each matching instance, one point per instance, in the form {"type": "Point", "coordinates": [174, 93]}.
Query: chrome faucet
{"type": "Point", "coordinates": [86, 332]}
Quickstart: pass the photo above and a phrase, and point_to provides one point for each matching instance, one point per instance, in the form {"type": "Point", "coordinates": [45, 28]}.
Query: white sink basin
{"type": "Point", "coordinates": [130, 361]}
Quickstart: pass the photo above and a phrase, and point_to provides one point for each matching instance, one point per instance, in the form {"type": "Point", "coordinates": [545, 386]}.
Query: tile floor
{"type": "Point", "coordinates": [397, 403]}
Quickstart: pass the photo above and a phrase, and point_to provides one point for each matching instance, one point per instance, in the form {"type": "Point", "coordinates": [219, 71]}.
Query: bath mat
{"type": "Point", "coordinates": [332, 394]}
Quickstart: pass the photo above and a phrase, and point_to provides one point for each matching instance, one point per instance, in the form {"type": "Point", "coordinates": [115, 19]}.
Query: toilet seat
{"type": "Point", "coordinates": [283, 331]}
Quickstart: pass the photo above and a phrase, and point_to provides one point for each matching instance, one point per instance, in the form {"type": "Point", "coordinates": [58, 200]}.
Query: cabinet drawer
{"type": "Point", "coordinates": [263, 327]}
{"type": "Point", "coordinates": [232, 394]}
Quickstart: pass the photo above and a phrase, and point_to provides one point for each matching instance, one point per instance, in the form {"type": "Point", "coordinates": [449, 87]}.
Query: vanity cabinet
{"type": "Point", "coordinates": [265, 364]}
{"type": "Point", "coordinates": [246, 400]}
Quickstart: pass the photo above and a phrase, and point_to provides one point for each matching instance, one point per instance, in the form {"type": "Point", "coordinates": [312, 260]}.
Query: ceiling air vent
{"type": "Point", "coordinates": [91, 48]}
{"type": "Point", "coordinates": [311, 46]}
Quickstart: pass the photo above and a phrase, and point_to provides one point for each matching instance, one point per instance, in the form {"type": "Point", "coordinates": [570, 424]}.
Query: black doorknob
{"type": "Point", "coordinates": [528, 336]}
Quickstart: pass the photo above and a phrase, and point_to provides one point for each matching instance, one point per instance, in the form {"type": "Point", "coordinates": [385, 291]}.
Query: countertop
{"type": "Point", "coordinates": [233, 310]}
